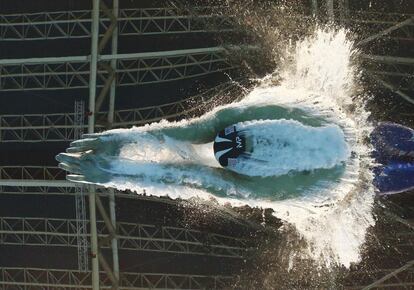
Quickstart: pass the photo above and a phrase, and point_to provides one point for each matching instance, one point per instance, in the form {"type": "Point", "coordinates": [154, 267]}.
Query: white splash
{"type": "Point", "coordinates": [318, 79]}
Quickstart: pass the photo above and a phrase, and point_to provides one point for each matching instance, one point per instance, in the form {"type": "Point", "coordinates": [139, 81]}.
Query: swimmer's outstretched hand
{"type": "Point", "coordinates": [87, 160]}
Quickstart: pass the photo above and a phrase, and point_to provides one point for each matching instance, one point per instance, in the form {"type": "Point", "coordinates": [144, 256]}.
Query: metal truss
{"type": "Point", "coordinates": [401, 278]}
{"type": "Point", "coordinates": [393, 73]}
{"type": "Point", "coordinates": [54, 187]}
{"type": "Point", "coordinates": [43, 187]}
{"type": "Point", "coordinates": [183, 107]}
{"type": "Point", "coordinates": [61, 127]}
{"type": "Point", "coordinates": [145, 21]}
{"type": "Point", "coordinates": [132, 69]}
{"type": "Point", "coordinates": [404, 273]}
{"type": "Point", "coordinates": [80, 204]}
{"type": "Point", "coordinates": [400, 26]}
{"type": "Point", "coordinates": [366, 23]}
{"type": "Point", "coordinates": [393, 267]}
{"type": "Point", "coordinates": [31, 173]}
{"type": "Point", "coordinates": [131, 236]}
{"type": "Point", "coordinates": [67, 188]}
{"type": "Point", "coordinates": [378, 18]}
{"type": "Point", "coordinates": [339, 10]}
{"type": "Point", "coordinates": [37, 127]}
{"type": "Point", "coordinates": [82, 243]}
{"type": "Point", "coordinates": [48, 279]}
{"type": "Point", "coordinates": [19, 180]}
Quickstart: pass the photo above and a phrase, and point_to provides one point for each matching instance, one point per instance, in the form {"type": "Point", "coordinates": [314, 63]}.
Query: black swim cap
{"type": "Point", "coordinates": [228, 145]}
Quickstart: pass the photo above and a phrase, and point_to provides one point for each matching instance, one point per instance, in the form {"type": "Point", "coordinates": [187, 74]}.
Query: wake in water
{"type": "Point", "coordinates": [301, 134]}
{"type": "Point", "coordinates": [279, 147]}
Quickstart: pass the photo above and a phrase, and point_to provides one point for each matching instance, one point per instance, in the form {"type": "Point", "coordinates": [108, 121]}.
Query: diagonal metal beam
{"type": "Point", "coordinates": [393, 89]}
{"type": "Point", "coordinates": [108, 271]}
{"type": "Point", "coordinates": [389, 59]}
{"type": "Point", "coordinates": [390, 275]}
{"type": "Point", "coordinates": [112, 32]}
{"type": "Point", "coordinates": [386, 31]}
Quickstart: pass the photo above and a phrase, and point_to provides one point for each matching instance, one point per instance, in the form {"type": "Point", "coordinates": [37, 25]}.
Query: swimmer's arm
{"type": "Point", "coordinates": [205, 128]}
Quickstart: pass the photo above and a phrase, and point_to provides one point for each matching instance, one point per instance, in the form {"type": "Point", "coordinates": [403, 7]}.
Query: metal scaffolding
{"type": "Point", "coordinates": [80, 204]}
{"type": "Point", "coordinates": [31, 173]}
{"type": "Point", "coordinates": [407, 270]}
{"type": "Point", "coordinates": [399, 277]}
{"type": "Point", "coordinates": [131, 22]}
{"type": "Point", "coordinates": [35, 278]}
{"type": "Point", "coordinates": [52, 232]}
{"type": "Point", "coordinates": [392, 72]}
{"type": "Point", "coordinates": [72, 72]}
{"type": "Point", "coordinates": [60, 127]}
